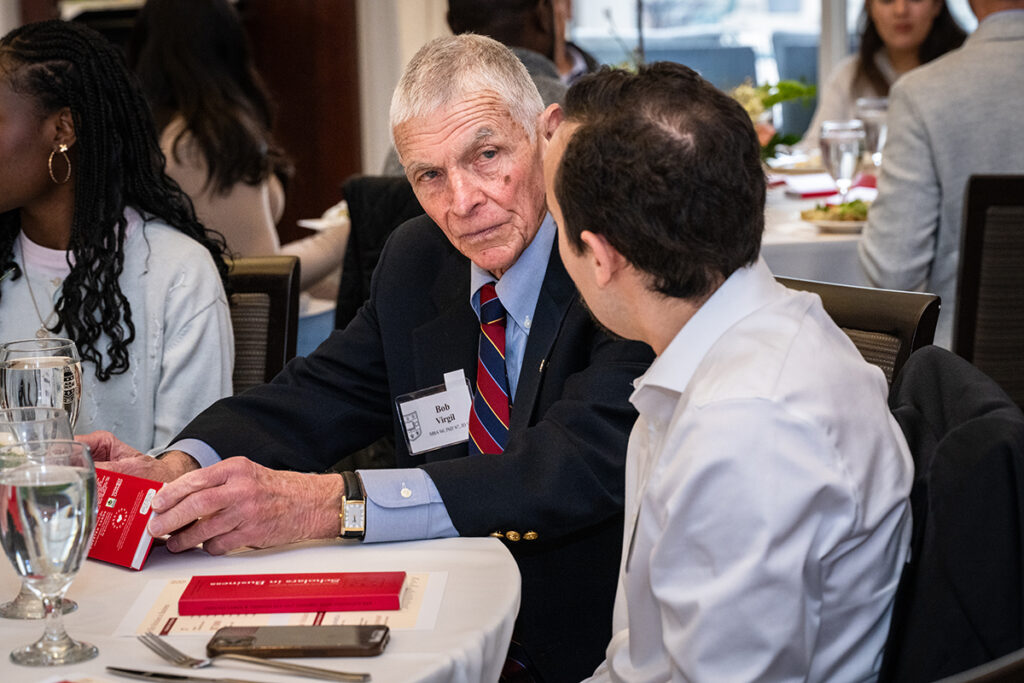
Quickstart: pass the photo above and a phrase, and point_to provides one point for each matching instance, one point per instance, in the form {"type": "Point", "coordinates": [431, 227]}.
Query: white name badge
{"type": "Point", "coordinates": [437, 416]}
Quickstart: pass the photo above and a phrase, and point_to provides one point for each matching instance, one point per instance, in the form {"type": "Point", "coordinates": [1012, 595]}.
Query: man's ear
{"type": "Point", "coordinates": [550, 119]}
{"type": "Point", "coordinates": [64, 128]}
{"type": "Point", "coordinates": [606, 260]}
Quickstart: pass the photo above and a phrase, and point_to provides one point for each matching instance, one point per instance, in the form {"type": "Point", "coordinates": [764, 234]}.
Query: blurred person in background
{"type": "Point", "coordinates": [215, 119]}
{"type": "Point", "coordinates": [948, 120]}
{"type": "Point", "coordinates": [98, 245]}
{"type": "Point", "coordinates": [895, 37]}
{"type": "Point", "coordinates": [573, 61]}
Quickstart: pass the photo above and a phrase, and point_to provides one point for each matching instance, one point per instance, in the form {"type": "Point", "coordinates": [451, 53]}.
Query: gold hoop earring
{"type": "Point", "coordinates": [61, 149]}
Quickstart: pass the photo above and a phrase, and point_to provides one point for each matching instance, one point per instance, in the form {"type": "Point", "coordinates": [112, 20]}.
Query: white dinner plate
{"type": "Point", "coordinates": [838, 226]}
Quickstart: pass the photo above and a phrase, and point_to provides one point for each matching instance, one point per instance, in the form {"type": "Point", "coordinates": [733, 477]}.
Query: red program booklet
{"type": "Point", "coordinates": [264, 593]}
{"type": "Point", "coordinates": [124, 510]}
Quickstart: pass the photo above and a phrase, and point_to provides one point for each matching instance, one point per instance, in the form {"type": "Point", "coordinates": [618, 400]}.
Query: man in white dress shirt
{"type": "Point", "coordinates": [767, 514]}
{"type": "Point", "coordinates": [954, 117]}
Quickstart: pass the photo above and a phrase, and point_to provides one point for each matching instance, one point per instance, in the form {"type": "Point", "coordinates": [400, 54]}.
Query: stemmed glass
{"type": "Point", "coordinates": [873, 111]}
{"type": "Point", "coordinates": [41, 372]}
{"type": "Point", "coordinates": [32, 424]}
{"type": "Point", "coordinates": [842, 143]}
{"type": "Point", "coordinates": [48, 495]}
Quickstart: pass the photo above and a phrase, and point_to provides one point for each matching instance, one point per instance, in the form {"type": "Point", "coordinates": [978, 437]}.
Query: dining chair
{"type": "Point", "coordinates": [376, 206]}
{"type": "Point", "coordinates": [988, 324]}
{"type": "Point", "coordinates": [960, 600]}
{"type": "Point", "coordinates": [264, 316]}
{"type": "Point", "coordinates": [885, 325]}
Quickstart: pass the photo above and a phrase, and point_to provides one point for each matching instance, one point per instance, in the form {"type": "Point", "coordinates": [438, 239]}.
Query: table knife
{"type": "Point", "coordinates": [158, 676]}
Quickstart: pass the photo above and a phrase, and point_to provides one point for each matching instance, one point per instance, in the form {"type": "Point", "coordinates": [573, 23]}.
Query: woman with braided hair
{"type": "Point", "coordinates": [98, 245]}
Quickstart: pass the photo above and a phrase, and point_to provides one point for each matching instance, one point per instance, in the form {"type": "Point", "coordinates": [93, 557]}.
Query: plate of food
{"type": "Point", "coordinates": [845, 217]}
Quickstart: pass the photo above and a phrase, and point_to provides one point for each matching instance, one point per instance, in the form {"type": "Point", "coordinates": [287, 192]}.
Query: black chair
{"type": "Point", "coordinates": [886, 326]}
{"type": "Point", "coordinates": [264, 316]}
{"type": "Point", "coordinates": [960, 600]}
{"type": "Point", "coordinates": [988, 324]}
{"type": "Point", "coordinates": [376, 206]}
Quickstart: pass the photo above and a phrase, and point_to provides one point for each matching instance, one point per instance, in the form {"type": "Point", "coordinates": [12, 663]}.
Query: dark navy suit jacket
{"type": "Point", "coordinates": [562, 474]}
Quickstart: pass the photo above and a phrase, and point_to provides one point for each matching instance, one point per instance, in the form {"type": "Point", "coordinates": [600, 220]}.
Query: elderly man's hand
{"type": "Point", "coordinates": [237, 503]}
{"type": "Point", "coordinates": [109, 452]}
{"type": "Point", "coordinates": [105, 447]}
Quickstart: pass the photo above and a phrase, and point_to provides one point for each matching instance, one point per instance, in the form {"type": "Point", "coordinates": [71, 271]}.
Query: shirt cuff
{"type": "Point", "coordinates": [199, 450]}
{"type": "Point", "coordinates": [403, 505]}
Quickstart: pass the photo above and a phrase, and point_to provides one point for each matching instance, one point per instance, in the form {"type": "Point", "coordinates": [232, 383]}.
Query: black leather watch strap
{"type": "Point", "coordinates": [353, 486]}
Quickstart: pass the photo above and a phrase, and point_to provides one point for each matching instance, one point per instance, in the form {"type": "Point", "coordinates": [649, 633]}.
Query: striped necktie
{"type": "Point", "coordinates": [488, 421]}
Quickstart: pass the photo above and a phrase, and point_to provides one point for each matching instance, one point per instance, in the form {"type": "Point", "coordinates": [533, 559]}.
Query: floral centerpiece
{"type": "Point", "coordinates": [758, 101]}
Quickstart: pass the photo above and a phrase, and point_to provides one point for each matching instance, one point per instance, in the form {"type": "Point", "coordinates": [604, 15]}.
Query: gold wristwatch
{"type": "Point", "coordinates": [353, 507]}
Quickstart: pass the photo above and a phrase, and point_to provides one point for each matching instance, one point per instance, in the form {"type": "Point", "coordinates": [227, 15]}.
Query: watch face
{"type": "Point", "coordinates": [354, 516]}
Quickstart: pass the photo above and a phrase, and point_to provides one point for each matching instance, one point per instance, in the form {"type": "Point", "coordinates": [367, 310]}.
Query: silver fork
{"type": "Point", "coordinates": [179, 658]}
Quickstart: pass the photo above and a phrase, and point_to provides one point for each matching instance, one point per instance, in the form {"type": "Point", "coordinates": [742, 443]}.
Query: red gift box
{"type": "Point", "coordinates": [124, 510]}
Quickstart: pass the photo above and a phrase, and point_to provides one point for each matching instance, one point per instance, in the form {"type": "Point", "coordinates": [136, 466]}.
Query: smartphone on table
{"type": "Point", "coordinates": [341, 640]}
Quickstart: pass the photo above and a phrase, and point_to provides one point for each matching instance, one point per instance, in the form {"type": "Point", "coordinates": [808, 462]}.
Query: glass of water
{"type": "Point", "coordinates": [48, 494]}
{"type": "Point", "coordinates": [842, 143]}
{"type": "Point", "coordinates": [873, 111]}
{"type": "Point", "coordinates": [32, 424]}
{"type": "Point", "coordinates": [41, 372]}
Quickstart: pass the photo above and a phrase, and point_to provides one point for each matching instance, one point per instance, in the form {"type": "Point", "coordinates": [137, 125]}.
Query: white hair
{"type": "Point", "coordinates": [449, 69]}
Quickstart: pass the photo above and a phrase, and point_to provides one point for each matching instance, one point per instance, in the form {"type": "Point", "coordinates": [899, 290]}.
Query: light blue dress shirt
{"type": "Point", "coordinates": [404, 504]}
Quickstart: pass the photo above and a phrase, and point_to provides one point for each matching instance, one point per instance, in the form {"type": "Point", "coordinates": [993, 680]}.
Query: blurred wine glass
{"type": "Point", "coordinates": [34, 423]}
{"type": "Point", "coordinates": [41, 372]}
{"type": "Point", "coordinates": [48, 493]}
{"type": "Point", "coordinates": [873, 111]}
{"type": "Point", "coordinates": [842, 143]}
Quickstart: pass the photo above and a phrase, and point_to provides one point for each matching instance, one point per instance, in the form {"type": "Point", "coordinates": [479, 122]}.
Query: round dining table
{"type": "Point", "coordinates": [465, 642]}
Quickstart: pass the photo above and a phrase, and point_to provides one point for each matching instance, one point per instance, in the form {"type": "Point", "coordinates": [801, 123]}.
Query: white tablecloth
{"type": "Point", "coordinates": [795, 248]}
{"type": "Point", "coordinates": [468, 643]}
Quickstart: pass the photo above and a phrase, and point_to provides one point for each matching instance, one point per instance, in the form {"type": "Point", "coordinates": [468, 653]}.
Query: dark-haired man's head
{"type": "Point", "coordinates": [666, 169]}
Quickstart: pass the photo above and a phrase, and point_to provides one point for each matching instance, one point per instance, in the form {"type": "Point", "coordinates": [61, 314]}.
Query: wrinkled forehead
{"type": "Point", "coordinates": [460, 125]}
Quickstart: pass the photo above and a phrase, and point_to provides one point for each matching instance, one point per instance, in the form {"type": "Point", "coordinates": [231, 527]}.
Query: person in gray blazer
{"type": "Point", "coordinates": [952, 118]}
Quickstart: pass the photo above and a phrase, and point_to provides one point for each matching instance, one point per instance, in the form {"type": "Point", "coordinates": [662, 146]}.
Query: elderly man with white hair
{"type": "Point", "coordinates": [473, 294]}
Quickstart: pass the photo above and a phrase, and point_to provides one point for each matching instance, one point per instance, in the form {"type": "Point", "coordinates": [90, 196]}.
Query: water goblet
{"type": "Point", "coordinates": [873, 111]}
{"type": "Point", "coordinates": [48, 494]}
{"type": "Point", "coordinates": [32, 424]}
{"type": "Point", "coordinates": [842, 143]}
{"type": "Point", "coordinates": [41, 372]}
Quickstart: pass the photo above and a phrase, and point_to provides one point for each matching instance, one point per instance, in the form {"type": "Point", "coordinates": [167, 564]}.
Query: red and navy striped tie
{"type": "Point", "coordinates": [488, 421]}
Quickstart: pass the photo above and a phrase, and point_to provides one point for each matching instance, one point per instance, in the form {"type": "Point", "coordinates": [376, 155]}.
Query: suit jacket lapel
{"type": "Point", "coordinates": [556, 295]}
{"type": "Point", "coordinates": [448, 341]}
